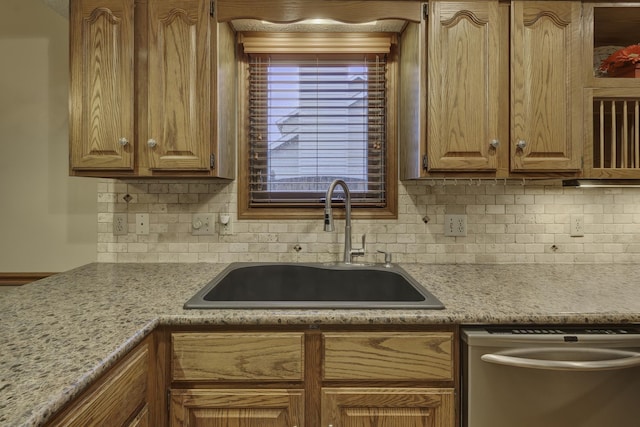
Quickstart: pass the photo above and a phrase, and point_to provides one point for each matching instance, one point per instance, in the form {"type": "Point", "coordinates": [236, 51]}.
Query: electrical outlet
{"type": "Point", "coordinates": [142, 223]}
{"type": "Point", "coordinates": [226, 225]}
{"type": "Point", "coordinates": [577, 226]}
{"type": "Point", "coordinates": [455, 225]}
{"type": "Point", "coordinates": [202, 224]}
{"type": "Point", "coordinates": [120, 226]}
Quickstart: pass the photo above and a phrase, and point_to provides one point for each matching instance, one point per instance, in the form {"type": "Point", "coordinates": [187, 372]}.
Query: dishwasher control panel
{"type": "Point", "coordinates": [553, 330]}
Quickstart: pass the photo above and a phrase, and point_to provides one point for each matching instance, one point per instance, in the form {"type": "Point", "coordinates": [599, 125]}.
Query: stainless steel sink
{"type": "Point", "coordinates": [314, 285]}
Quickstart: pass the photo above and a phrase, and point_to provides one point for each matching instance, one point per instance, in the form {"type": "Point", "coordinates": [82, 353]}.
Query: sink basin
{"type": "Point", "coordinates": [278, 285]}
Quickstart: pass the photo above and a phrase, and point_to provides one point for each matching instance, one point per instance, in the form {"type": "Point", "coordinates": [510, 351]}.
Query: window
{"type": "Point", "coordinates": [313, 117]}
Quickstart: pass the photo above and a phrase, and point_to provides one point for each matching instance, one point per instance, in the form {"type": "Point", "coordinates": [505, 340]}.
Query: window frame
{"type": "Point", "coordinates": [305, 211]}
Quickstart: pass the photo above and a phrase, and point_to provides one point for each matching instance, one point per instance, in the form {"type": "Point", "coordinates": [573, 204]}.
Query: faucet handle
{"type": "Point", "coordinates": [387, 258]}
{"type": "Point", "coordinates": [359, 251]}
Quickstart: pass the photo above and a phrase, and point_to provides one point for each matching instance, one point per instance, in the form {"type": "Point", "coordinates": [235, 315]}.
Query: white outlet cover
{"type": "Point", "coordinates": [455, 225]}
{"type": "Point", "coordinates": [120, 226]}
{"type": "Point", "coordinates": [226, 224]}
{"type": "Point", "coordinates": [202, 224]}
{"type": "Point", "coordinates": [142, 223]}
{"type": "Point", "coordinates": [576, 226]}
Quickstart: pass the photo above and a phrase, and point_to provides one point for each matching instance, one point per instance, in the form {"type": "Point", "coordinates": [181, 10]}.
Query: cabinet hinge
{"type": "Point", "coordinates": [168, 402]}
{"type": "Point", "coordinates": [212, 161]}
{"type": "Point", "coordinates": [425, 162]}
{"type": "Point", "coordinates": [212, 8]}
{"type": "Point", "coordinates": [425, 11]}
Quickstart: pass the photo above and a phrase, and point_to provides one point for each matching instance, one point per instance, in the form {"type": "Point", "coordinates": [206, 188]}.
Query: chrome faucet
{"type": "Point", "coordinates": [349, 253]}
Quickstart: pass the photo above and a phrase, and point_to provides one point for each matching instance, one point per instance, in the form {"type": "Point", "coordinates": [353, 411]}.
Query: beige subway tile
{"type": "Point", "coordinates": [494, 248]}
{"type": "Point", "coordinates": [475, 210]}
{"type": "Point", "coordinates": [239, 247]}
{"type": "Point", "coordinates": [286, 247]}
{"type": "Point", "coordinates": [267, 257]}
{"type": "Point", "coordinates": [495, 187]}
{"type": "Point", "coordinates": [179, 188]}
{"type": "Point", "coordinates": [280, 227]}
{"type": "Point", "coordinates": [187, 257]}
{"type": "Point", "coordinates": [127, 257]}
{"type": "Point", "coordinates": [485, 259]}
{"type": "Point", "coordinates": [534, 228]}
{"type": "Point", "coordinates": [480, 219]}
{"type": "Point", "coordinates": [106, 198]}
{"type": "Point", "coordinates": [198, 247]}
{"type": "Point", "coordinates": [514, 209]}
{"type": "Point", "coordinates": [611, 258]}
{"type": "Point", "coordinates": [495, 228]}
{"type": "Point", "coordinates": [306, 257]}
{"type": "Point", "coordinates": [496, 209]}
{"type": "Point", "coordinates": [106, 257]}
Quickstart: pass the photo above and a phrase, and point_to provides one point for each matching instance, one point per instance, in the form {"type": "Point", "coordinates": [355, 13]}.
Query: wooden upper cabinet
{"type": "Point", "coordinates": [463, 78]}
{"type": "Point", "coordinates": [179, 85]}
{"type": "Point", "coordinates": [503, 90]}
{"type": "Point", "coordinates": [102, 85]}
{"type": "Point", "coordinates": [612, 100]}
{"type": "Point", "coordinates": [546, 95]}
{"type": "Point", "coordinates": [145, 90]}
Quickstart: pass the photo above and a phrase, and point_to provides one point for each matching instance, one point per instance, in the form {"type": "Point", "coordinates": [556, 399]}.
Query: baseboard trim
{"type": "Point", "coordinates": [18, 279]}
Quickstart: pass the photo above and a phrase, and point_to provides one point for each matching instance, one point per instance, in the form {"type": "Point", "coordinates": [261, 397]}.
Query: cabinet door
{"type": "Point", "coordinates": [101, 86]}
{"type": "Point", "coordinates": [179, 85]}
{"type": "Point", "coordinates": [121, 396]}
{"type": "Point", "coordinates": [246, 408]}
{"type": "Point", "coordinates": [463, 85]}
{"type": "Point", "coordinates": [545, 86]}
{"type": "Point", "coordinates": [389, 407]}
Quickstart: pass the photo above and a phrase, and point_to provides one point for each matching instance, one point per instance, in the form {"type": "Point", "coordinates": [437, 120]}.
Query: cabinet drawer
{"type": "Point", "coordinates": [388, 356]}
{"type": "Point", "coordinates": [113, 401]}
{"type": "Point", "coordinates": [237, 356]}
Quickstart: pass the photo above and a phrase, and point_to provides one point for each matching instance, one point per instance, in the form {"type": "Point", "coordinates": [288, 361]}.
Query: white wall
{"type": "Point", "coordinates": [47, 219]}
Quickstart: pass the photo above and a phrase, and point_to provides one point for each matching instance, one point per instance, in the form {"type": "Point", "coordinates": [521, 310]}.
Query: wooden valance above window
{"type": "Point", "coordinates": [270, 43]}
{"type": "Point", "coordinates": [347, 11]}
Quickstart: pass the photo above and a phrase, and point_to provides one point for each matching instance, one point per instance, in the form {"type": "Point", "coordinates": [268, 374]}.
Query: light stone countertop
{"type": "Point", "coordinates": [59, 334]}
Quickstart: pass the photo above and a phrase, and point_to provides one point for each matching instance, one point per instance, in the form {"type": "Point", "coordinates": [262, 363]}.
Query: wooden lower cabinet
{"type": "Point", "coordinates": [237, 407]}
{"type": "Point", "coordinates": [340, 377]}
{"type": "Point", "coordinates": [345, 378]}
{"type": "Point", "coordinates": [388, 407]}
{"type": "Point", "coordinates": [119, 399]}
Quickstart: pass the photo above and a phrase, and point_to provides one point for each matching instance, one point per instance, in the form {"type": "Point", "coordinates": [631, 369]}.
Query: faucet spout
{"type": "Point", "coordinates": [328, 218]}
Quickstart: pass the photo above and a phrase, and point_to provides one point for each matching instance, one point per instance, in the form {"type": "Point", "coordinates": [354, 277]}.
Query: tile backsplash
{"type": "Point", "coordinates": [507, 222]}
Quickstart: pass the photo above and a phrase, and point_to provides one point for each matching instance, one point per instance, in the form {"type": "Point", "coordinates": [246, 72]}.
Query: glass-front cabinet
{"type": "Point", "coordinates": [612, 89]}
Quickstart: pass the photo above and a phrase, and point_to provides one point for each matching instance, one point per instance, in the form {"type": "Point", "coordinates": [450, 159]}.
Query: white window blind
{"type": "Point", "coordinates": [315, 118]}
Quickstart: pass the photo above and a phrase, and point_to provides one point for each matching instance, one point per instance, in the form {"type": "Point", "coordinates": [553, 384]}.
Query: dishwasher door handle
{"type": "Point", "coordinates": [548, 358]}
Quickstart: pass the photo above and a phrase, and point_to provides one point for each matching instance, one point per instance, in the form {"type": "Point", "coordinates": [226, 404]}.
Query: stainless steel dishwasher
{"type": "Point", "coordinates": [550, 377]}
